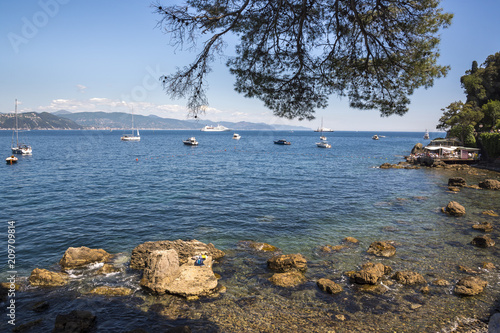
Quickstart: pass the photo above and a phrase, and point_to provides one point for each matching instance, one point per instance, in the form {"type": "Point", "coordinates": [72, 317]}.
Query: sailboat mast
{"type": "Point", "coordinates": [17, 130]}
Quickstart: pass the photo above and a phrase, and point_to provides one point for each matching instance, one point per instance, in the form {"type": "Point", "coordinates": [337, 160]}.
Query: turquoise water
{"type": "Point", "coordinates": [88, 188]}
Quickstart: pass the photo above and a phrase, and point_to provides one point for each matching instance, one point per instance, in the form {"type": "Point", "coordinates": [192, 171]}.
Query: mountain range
{"type": "Point", "coordinates": [63, 119]}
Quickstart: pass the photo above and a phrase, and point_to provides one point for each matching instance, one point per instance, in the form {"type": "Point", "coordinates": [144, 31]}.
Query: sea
{"type": "Point", "coordinates": [89, 188]}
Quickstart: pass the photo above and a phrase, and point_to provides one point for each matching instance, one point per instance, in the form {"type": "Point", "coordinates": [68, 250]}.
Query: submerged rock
{"type": "Point", "coordinates": [454, 209]}
{"type": "Point", "coordinates": [483, 226]}
{"type": "Point", "coordinates": [75, 322]}
{"type": "Point", "coordinates": [288, 262]}
{"type": "Point", "coordinates": [470, 286]}
{"type": "Point", "coordinates": [483, 241]}
{"type": "Point", "coordinates": [80, 256]}
{"type": "Point", "coordinates": [111, 291]}
{"type": "Point", "coordinates": [490, 212]}
{"type": "Point", "coordinates": [329, 286]}
{"type": "Point", "coordinates": [263, 247]}
{"type": "Point", "coordinates": [369, 273]}
{"type": "Point", "coordinates": [490, 184]}
{"type": "Point", "coordinates": [351, 240]}
{"type": "Point", "coordinates": [185, 250]}
{"type": "Point", "coordinates": [288, 279]}
{"type": "Point", "coordinates": [382, 249]}
{"type": "Point", "coordinates": [408, 277]}
{"type": "Point", "coordinates": [45, 278]}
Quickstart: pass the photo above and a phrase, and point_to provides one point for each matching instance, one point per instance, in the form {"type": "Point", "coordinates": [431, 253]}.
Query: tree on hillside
{"type": "Point", "coordinates": [459, 120]}
{"type": "Point", "coordinates": [293, 54]}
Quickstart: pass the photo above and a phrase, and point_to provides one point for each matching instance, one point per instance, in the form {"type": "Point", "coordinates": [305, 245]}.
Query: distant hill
{"type": "Point", "coordinates": [120, 120]}
{"type": "Point", "coordinates": [36, 121]}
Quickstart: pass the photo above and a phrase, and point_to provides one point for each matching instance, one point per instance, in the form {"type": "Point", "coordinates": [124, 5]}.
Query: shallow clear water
{"type": "Point", "coordinates": [87, 188]}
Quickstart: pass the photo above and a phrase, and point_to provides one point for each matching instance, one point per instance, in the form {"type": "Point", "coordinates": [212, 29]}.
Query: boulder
{"type": "Point", "coordinates": [369, 273]}
{"type": "Point", "coordinates": [454, 209]}
{"type": "Point", "coordinates": [408, 277]}
{"type": "Point", "coordinates": [257, 246]}
{"type": "Point", "coordinates": [417, 149]}
{"type": "Point", "coordinates": [329, 286]}
{"type": "Point", "coordinates": [288, 262]}
{"type": "Point", "coordinates": [162, 267]}
{"type": "Point", "coordinates": [483, 226]}
{"type": "Point", "coordinates": [382, 249]}
{"type": "Point", "coordinates": [470, 286]}
{"type": "Point", "coordinates": [483, 241]}
{"type": "Point", "coordinates": [80, 256]}
{"type": "Point", "coordinates": [185, 250]}
{"type": "Point", "coordinates": [192, 280]}
{"type": "Point", "coordinates": [490, 184]}
{"type": "Point", "coordinates": [76, 321]}
{"type": "Point", "coordinates": [490, 212]}
{"type": "Point", "coordinates": [351, 240]}
{"type": "Point", "coordinates": [44, 278]}
{"type": "Point", "coordinates": [111, 291]}
{"type": "Point", "coordinates": [288, 279]}
{"type": "Point", "coordinates": [457, 182]}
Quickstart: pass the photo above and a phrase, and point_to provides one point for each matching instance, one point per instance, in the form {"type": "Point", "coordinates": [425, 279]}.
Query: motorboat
{"type": "Point", "coordinates": [322, 138]}
{"type": "Point", "coordinates": [19, 148]}
{"type": "Point", "coordinates": [282, 142]}
{"type": "Point", "coordinates": [11, 159]}
{"type": "Point", "coordinates": [426, 135]}
{"type": "Point", "coordinates": [375, 137]}
{"type": "Point", "coordinates": [191, 141]}
{"type": "Point", "coordinates": [236, 136]}
{"type": "Point", "coordinates": [323, 144]}
{"type": "Point", "coordinates": [218, 128]}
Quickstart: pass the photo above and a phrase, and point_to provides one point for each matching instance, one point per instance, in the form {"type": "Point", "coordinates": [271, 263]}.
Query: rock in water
{"type": "Point", "coordinates": [408, 277]}
{"type": "Point", "coordinates": [45, 278]}
{"type": "Point", "coordinates": [470, 286]}
{"type": "Point", "coordinates": [287, 263]}
{"type": "Point", "coordinates": [80, 256]}
{"type": "Point", "coordinates": [288, 279]}
{"type": "Point", "coordinates": [490, 184]}
{"type": "Point", "coordinates": [457, 182]}
{"type": "Point", "coordinates": [185, 250]}
{"type": "Point", "coordinates": [162, 267]}
{"type": "Point", "coordinates": [382, 249]}
{"type": "Point", "coordinates": [483, 241]}
{"type": "Point", "coordinates": [369, 273]}
{"type": "Point", "coordinates": [454, 209]}
{"type": "Point", "coordinates": [75, 322]}
{"type": "Point", "coordinates": [193, 280]}
{"type": "Point", "coordinates": [329, 286]}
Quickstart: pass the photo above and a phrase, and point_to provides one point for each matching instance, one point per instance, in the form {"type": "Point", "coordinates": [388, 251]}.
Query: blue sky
{"type": "Point", "coordinates": [94, 55]}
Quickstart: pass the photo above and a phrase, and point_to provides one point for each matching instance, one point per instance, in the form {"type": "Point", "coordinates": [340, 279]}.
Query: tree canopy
{"type": "Point", "coordinates": [294, 54]}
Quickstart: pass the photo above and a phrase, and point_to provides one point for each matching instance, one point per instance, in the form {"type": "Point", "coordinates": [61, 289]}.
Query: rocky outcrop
{"type": "Point", "coordinates": [287, 263]}
{"type": "Point", "coordinates": [400, 165]}
{"type": "Point", "coordinates": [76, 321]}
{"type": "Point", "coordinates": [369, 273]}
{"type": "Point", "coordinates": [329, 286]}
{"type": "Point", "coordinates": [193, 280]}
{"type": "Point", "coordinates": [490, 184]}
{"type": "Point", "coordinates": [483, 226]}
{"type": "Point", "coordinates": [454, 209]}
{"type": "Point", "coordinates": [111, 291]}
{"type": "Point", "coordinates": [257, 246]}
{"type": "Point", "coordinates": [483, 241]}
{"type": "Point", "coordinates": [382, 249]}
{"type": "Point", "coordinates": [408, 277]}
{"type": "Point", "coordinates": [46, 278]}
{"type": "Point", "coordinates": [80, 256]}
{"type": "Point", "coordinates": [417, 149]}
{"type": "Point", "coordinates": [162, 267]}
{"type": "Point", "coordinates": [470, 286]}
{"type": "Point", "coordinates": [185, 250]}
{"type": "Point", "coordinates": [457, 182]}
{"type": "Point", "coordinates": [288, 279]}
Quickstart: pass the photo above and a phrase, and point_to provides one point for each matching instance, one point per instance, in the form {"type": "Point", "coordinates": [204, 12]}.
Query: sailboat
{"type": "Point", "coordinates": [19, 148]}
{"type": "Point", "coordinates": [323, 143]}
{"type": "Point", "coordinates": [323, 129]}
{"type": "Point", "coordinates": [132, 137]}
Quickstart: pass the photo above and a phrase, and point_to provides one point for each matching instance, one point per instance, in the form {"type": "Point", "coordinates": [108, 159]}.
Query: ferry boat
{"type": "Point", "coordinates": [218, 128]}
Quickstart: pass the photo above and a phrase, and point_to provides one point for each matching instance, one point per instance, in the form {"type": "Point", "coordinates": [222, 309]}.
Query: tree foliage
{"type": "Point", "coordinates": [294, 54]}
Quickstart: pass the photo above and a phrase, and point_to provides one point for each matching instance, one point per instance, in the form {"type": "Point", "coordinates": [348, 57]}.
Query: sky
{"type": "Point", "coordinates": [105, 55]}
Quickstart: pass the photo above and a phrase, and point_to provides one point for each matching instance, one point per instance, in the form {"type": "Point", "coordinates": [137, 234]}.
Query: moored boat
{"type": "Point", "coordinates": [282, 142]}
{"type": "Point", "coordinates": [132, 137]}
{"type": "Point", "coordinates": [11, 159]}
{"type": "Point", "coordinates": [323, 144]}
{"type": "Point", "coordinates": [19, 148]}
{"type": "Point", "coordinates": [426, 135]}
{"type": "Point", "coordinates": [191, 141]}
{"type": "Point", "coordinates": [375, 137]}
{"type": "Point", "coordinates": [236, 136]}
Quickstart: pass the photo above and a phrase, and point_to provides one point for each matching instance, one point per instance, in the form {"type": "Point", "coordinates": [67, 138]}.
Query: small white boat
{"type": "Point", "coordinates": [19, 148]}
{"type": "Point", "coordinates": [426, 135]}
{"type": "Point", "coordinates": [375, 137]}
{"type": "Point", "coordinates": [323, 144]}
{"type": "Point", "coordinates": [191, 141]}
{"type": "Point", "coordinates": [11, 159]}
{"type": "Point", "coordinates": [322, 138]}
{"type": "Point", "coordinates": [236, 136]}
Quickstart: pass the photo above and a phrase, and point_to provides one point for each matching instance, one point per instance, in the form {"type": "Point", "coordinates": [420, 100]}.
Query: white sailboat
{"type": "Point", "coordinates": [132, 137]}
{"type": "Point", "coordinates": [19, 148]}
{"type": "Point", "coordinates": [323, 129]}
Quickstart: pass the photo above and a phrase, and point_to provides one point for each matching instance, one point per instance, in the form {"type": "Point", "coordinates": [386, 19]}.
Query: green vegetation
{"type": "Point", "coordinates": [491, 142]}
{"type": "Point", "coordinates": [480, 113]}
{"type": "Point", "coordinates": [294, 54]}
